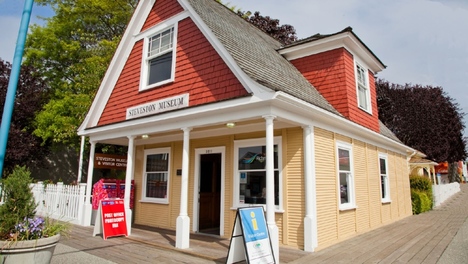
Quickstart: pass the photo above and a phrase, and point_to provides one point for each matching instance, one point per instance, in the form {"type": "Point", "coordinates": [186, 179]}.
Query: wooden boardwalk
{"type": "Point", "coordinates": [416, 239]}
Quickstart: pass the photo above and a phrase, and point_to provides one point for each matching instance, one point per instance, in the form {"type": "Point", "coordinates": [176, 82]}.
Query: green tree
{"type": "Point", "coordinates": [72, 51]}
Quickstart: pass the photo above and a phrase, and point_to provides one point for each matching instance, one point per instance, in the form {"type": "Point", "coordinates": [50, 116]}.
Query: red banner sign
{"type": "Point", "coordinates": [113, 218]}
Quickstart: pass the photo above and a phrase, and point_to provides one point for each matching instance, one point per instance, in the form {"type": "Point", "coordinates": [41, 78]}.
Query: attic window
{"type": "Point", "coordinates": [363, 92]}
{"type": "Point", "coordinates": [159, 59]}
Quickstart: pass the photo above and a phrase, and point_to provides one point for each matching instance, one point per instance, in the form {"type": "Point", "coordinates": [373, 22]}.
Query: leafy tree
{"type": "Point", "coordinates": [72, 51]}
{"type": "Point", "coordinates": [424, 118]}
{"type": "Point", "coordinates": [286, 34]}
{"type": "Point", "coordinates": [23, 148]}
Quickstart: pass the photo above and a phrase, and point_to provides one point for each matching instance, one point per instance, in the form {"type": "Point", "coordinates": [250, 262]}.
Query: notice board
{"type": "Point", "coordinates": [250, 240]}
{"type": "Point", "coordinates": [112, 219]}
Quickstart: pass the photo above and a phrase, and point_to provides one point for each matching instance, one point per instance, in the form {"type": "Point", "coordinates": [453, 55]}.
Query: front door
{"type": "Point", "coordinates": [210, 193]}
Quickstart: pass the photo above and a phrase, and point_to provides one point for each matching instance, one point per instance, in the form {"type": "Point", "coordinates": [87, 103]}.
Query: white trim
{"type": "Point", "coordinates": [196, 185]}
{"type": "Point", "coordinates": [153, 151]}
{"type": "Point", "coordinates": [116, 65]}
{"type": "Point", "coordinates": [345, 40]}
{"type": "Point", "coordinates": [366, 86]}
{"type": "Point", "coordinates": [351, 204]}
{"type": "Point", "coordinates": [250, 143]}
{"type": "Point", "coordinates": [145, 60]}
{"type": "Point", "coordinates": [386, 199]}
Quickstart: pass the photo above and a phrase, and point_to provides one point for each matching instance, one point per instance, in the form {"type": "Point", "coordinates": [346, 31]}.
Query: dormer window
{"type": "Point", "coordinates": [158, 67]}
{"type": "Point", "coordinates": [363, 92]}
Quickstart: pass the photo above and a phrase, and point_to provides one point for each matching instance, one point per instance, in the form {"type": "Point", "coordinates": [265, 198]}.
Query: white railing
{"type": "Point", "coordinates": [444, 191]}
{"type": "Point", "coordinates": [59, 201]}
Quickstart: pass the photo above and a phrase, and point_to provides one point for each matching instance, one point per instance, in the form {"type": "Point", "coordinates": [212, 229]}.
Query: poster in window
{"type": "Point", "coordinates": [243, 177]}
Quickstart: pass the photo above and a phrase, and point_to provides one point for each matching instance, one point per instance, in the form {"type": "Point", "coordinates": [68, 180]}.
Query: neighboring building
{"type": "Point", "coordinates": [218, 115]}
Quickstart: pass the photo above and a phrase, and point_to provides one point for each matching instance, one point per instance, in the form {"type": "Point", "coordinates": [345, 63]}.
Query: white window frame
{"type": "Point", "coordinates": [351, 204]}
{"type": "Point", "coordinates": [251, 143]}
{"type": "Point", "coordinates": [143, 194]}
{"type": "Point", "coordinates": [145, 68]}
{"type": "Point", "coordinates": [386, 183]}
{"type": "Point", "coordinates": [364, 84]}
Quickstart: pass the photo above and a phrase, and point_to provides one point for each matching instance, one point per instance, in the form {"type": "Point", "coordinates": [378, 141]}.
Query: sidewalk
{"type": "Point", "coordinates": [438, 236]}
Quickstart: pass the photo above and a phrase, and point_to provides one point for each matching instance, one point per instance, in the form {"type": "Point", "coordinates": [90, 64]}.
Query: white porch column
{"type": "Point", "coordinates": [270, 186]}
{"type": "Point", "coordinates": [88, 207]}
{"type": "Point", "coordinates": [128, 182]}
{"type": "Point", "coordinates": [183, 220]}
{"type": "Point", "coordinates": [310, 219]}
{"type": "Point", "coordinates": [80, 162]}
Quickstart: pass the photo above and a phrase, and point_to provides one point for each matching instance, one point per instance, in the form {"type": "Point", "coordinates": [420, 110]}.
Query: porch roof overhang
{"type": "Point", "coordinates": [247, 112]}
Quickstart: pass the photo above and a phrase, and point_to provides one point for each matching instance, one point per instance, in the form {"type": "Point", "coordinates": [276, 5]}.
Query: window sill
{"type": "Point", "coordinates": [348, 207]}
{"type": "Point", "coordinates": [153, 201]}
{"type": "Point", "coordinates": [154, 85]}
{"type": "Point", "coordinates": [386, 201]}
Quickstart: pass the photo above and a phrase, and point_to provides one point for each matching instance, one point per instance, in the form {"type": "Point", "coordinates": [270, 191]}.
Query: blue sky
{"type": "Point", "coordinates": [421, 41]}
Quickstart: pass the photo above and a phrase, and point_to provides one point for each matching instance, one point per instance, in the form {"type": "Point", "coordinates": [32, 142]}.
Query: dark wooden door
{"type": "Point", "coordinates": [210, 190]}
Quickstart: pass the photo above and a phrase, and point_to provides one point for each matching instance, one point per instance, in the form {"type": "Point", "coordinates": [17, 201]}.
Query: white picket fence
{"type": "Point", "coordinates": [59, 201]}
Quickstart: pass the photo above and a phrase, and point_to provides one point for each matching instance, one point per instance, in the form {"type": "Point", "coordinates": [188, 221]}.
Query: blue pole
{"type": "Point", "coordinates": [13, 82]}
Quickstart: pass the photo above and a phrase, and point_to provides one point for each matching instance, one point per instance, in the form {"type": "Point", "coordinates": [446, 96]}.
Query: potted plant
{"type": "Point", "coordinates": [25, 237]}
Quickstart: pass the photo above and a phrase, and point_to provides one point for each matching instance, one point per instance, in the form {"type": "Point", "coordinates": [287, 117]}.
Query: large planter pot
{"type": "Point", "coordinates": [36, 251]}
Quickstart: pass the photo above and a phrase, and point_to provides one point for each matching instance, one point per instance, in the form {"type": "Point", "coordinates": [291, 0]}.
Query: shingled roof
{"type": "Point", "coordinates": [256, 53]}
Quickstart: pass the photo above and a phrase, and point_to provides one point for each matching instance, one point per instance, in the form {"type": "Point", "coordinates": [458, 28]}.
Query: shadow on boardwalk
{"type": "Point", "coordinates": [416, 239]}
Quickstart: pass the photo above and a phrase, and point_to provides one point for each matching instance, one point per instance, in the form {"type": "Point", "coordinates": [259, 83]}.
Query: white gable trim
{"type": "Point", "coordinates": [133, 34]}
{"type": "Point", "coordinates": [116, 65]}
{"type": "Point", "coordinates": [250, 85]}
{"type": "Point", "coordinates": [345, 40]}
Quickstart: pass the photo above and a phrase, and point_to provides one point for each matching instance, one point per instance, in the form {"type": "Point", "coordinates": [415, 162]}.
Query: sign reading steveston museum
{"type": "Point", "coordinates": [166, 104]}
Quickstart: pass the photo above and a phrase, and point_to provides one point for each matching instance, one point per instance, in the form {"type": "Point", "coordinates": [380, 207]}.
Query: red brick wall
{"type": "Point", "coordinates": [200, 71]}
{"type": "Point", "coordinates": [332, 73]}
{"type": "Point", "coordinates": [162, 10]}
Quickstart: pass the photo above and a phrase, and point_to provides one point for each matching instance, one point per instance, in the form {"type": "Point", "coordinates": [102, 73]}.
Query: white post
{"type": "Point", "coordinates": [88, 207]}
{"type": "Point", "coordinates": [270, 186]}
{"type": "Point", "coordinates": [128, 182]}
{"type": "Point", "coordinates": [81, 195]}
{"type": "Point", "coordinates": [310, 219]}
{"type": "Point", "coordinates": [183, 220]}
{"type": "Point", "coordinates": [80, 162]}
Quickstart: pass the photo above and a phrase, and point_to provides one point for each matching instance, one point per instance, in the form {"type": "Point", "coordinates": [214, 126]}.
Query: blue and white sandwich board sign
{"type": "Point", "coordinates": [250, 240]}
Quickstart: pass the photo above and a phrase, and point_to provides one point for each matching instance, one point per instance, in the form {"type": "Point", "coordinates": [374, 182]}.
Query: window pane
{"type": "Point", "coordinates": [362, 96]}
{"type": "Point", "coordinates": [253, 158]}
{"type": "Point", "coordinates": [166, 40]}
{"type": "Point", "coordinates": [160, 42]}
{"type": "Point", "coordinates": [343, 155]}
{"type": "Point", "coordinates": [160, 68]}
{"type": "Point", "coordinates": [383, 182]}
{"type": "Point", "coordinates": [156, 185]}
{"type": "Point", "coordinates": [253, 187]}
{"type": "Point", "coordinates": [157, 162]}
{"type": "Point", "coordinates": [344, 188]}
{"type": "Point", "coordinates": [383, 169]}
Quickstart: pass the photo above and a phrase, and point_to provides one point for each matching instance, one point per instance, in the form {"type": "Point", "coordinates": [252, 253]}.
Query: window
{"type": "Point", "coordinates": [156, 175]}
{"type": "Point", "coordinates": [250, 182]}
{"type": "Point", "coordinates": [345, 176]}
{"type": "Point", "coordinates": [385, 186]}
{"type": "Point", "coordinates": [159, 56]}
{"type": "Point", "coordinates": [363, 92]}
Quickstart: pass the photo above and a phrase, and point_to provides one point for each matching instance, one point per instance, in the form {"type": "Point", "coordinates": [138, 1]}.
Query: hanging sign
{"type": "Point", "coordinates": [110, 161]}
{"type": "Point", "coordinates": [250, 240]}
{"type": "Point", "coordinates": [113, 221]}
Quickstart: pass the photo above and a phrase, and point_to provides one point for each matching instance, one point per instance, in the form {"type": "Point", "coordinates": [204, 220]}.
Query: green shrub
{"type": "Point", "coordinates": [421, 194]}
{"type": "Point", "coordinates": [19, 200]}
